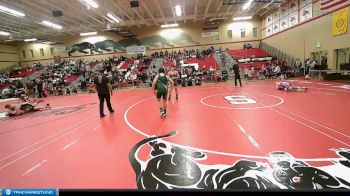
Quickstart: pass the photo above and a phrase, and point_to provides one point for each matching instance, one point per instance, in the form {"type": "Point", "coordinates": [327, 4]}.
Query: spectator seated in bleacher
{"type": "Point", "coordinates": [224, 74]}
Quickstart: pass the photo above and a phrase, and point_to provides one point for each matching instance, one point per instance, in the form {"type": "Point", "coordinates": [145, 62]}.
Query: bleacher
{"type": "Point", "coordinates": [126, 64]}
{"type": "Point", "coordinates": [168, 63]}
{"type": "Point", "coordinates": [70, 79]}
{"type": "Point", "coordinates": [257, 65]}
{"type": "Point", "coordinates": [24, 72]}
{"type": "Point", "coordinates": [255, 52]}
{"type": "Point", "coordinates": [207, 62]}
{"type": "Point", "coordinates": [251, 58]}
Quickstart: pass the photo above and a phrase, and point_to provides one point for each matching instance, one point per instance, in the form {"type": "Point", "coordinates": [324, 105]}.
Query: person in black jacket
{"type": "Point", "coordinates": [39, 87]}
{"type": "Point", "coordinates": [237, 74]}
{"type": "Point", "coordinates": [104, 91]}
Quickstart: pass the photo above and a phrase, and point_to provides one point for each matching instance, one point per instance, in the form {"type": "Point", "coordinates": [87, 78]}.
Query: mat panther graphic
{"type": "Point", "coordinates": [81, 47]}
{"type": "Point", "coordinates": [183, 37]}
{"type": "Point", "coordinates": [103, 46]}
{"type": "Point", "coordinates": [121, 45]}
{"type": "Point", "coordinates": [152, 41]}
{"type": "Point", "coordinates": [173, 167]}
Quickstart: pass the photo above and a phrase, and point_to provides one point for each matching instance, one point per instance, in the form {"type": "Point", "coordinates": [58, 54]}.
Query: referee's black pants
{"type": "Point", "coordinates": [102, 100]}
{"type": "Point", "coordinates": [238, 77]}
{"type": "Point", "coordinates": [41, 93]}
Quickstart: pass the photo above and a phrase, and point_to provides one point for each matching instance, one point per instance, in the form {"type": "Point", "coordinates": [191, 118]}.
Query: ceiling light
{"type": "Point", "coordinates": [30, 40]}
{"type": "Point", "coordinates": [243, 18]}
{"type": "Point", "coordinates": [4, 33]}
{"type": "Point", "coordinates": [169, 25]}
{"type": "Point", "coordinates": [90, 3]}
{"type": "Point", "coordinates": [114, 18]}
{"type": "Point", "coordinates": [247, 5]}
{"type": "Point", "coordinates": [50, 24]}
{"type": "Point", "coordinates": [111, 21]}
{"type": "Point", "coordinates": [11, 11]}
{"type": "Point", "coordinates": [12, 40]}
{"type": "Point", "coordinates": [88, 33]}
{"type": "Point", "coordinates": [178, 10]}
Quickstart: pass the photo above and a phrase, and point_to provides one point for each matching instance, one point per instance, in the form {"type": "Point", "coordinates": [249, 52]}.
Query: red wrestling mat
{"type": "Point", "coordinates": [221, 138]}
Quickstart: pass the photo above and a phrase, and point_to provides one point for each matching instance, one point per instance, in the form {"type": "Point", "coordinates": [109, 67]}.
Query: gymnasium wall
{"type": "Point", "coordinates": [8, 56]}
{"type": "Point", "coordinates": [186, 36]}
{"type": "Point", "coordinates": [312, 36]}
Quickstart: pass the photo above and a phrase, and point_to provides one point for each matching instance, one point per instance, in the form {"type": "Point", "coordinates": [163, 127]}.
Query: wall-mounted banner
{"type": "Point", "coordinates": [305, 13]}
{"type": "Point", "coordinates": [293, 19]}
{"type": "Point", "coordinates": [60, 49]}
{"type": "Point", "coordinates": [283, 24]}
{"type": "Point", "coordinates": [276, 16]}
{"type": "Point", "coordinates": [304, 3]}
{"type": "Point", "coordinates": [269, 30]}
{"type": "Point", "coordinates": [293, 6]}
{"type": "Point", "coordinates": [209, 34]}
{"type": "Point", "coordinates": [284, 11]}
{"type": "Point", "coordinates": [340, 22]}
{"type": "Point", "coordinates": [136, 50]}
{"type": "Point", "coordinates": [268, 20]}
{"type": "Point", "coordinates": [216, 36]}
{"type": "Point", "coordinates": [276, 27]}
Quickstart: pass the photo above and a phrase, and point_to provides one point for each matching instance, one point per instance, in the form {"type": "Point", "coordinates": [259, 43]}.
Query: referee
{"type": "Point", "coordinates": [237, 74]}
{"type": "Point", "coordinates": [104, 91]}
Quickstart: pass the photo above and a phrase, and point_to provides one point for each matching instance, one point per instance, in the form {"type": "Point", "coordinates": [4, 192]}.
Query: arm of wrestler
{"type": "Point", "coordinates": [18, 110]}
{"type": "Point", "coordinates": [154, 84]}
{"type": "Point", "coordinates": [177, 76]}
{"type": "Point", "coordinates": [171, 81]}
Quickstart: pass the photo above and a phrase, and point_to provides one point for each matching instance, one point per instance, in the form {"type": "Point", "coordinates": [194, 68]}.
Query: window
{"type": "Point", "coordinates": [52, 51]}
{"type": "Point", "coordinates": [42, 52]}
{"type": "Point", "coordinates": [229, 34]}
{"type": "Point", "coordinates": [32, 53]}
{"type": "Point", "coordinates": [24, 54]}
{"type": "Point", "coordinates": [343, 57]}
{"type": "Point", "coordinates": [255, 32]}
{"type": "Point", "coordinates": [242, 33]}
{"type": "Point", "coordinates": [321, 59]}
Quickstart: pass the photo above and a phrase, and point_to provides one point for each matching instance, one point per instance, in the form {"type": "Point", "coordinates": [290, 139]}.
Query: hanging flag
{"type": "Point", "coordinates": [340, 22]}
{"type": "Point", "coordinates": [328, 5]}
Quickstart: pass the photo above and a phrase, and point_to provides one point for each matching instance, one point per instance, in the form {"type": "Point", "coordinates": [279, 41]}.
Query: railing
{"type": "Point", "coordinates": [283, 56]}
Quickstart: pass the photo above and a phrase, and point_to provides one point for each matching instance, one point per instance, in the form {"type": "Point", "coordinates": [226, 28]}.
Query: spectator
{"type": "Point", "coordinates": [39, 87]}
{"type": "Point", "coordinates": [224, 74]}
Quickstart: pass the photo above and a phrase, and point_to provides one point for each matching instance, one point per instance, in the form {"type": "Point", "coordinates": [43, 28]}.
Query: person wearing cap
{"type": "Point", "coordinates": [104, 91]}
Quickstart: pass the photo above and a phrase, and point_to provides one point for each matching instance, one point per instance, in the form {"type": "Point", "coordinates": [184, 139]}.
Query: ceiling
{"type": "Point", "coordinates": [77, 18]}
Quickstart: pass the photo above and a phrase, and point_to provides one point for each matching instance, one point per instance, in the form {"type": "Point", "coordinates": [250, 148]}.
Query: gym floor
{"type": "Point", "coordinates": [215, 137]}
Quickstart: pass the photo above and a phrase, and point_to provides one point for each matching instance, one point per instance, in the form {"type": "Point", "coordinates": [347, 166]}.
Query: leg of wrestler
{"type": "Point", "coordinates": [170, 90]}
{"type": "Point", "coordinates": [160, 104]}
{"type": "Point", "coordinates": [18, 110]}
{"type": "Point", "coordinates": [164, 105]}
{"type": "Point", "coordinates": [176, 92]}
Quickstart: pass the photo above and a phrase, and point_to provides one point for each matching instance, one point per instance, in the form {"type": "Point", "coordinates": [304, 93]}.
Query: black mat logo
{"type": "Point", "coordinates": [172, 167]}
